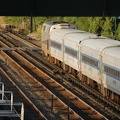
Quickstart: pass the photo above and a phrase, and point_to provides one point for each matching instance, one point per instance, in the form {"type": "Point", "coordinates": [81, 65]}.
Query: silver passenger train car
{"type": "Point", "coordinates": [93, 59]}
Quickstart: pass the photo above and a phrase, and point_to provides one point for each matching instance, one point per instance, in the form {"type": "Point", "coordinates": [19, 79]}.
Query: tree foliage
{"type": "Point", "coordinates": [83, 23]}
{"type": "Point", "coordinates": [118, 32]}
{"type": "Point", "coordinates": [107, 28]}
{"type": "Point", "coordinates": [98, 25]}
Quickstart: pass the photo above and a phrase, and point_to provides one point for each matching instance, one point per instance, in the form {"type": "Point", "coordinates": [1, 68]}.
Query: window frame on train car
{"type": "Point", "coordinates": [111, 71]}
{"type": "Point", "coordinates": [93, 62]}
{"type": "Point", "coordinates": [73, 51]}
{"type": "Point", "coordinates": [44, 27]}
{"type": "Point", "coordinates": [55, 44]}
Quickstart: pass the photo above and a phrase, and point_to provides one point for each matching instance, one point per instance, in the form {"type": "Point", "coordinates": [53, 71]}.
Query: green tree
{"type": "Point", "coordinates": [96, 24]}
{"type": "Point", "coordinates": [70, 19]}
{"type": "Point", "coordinates": [107, 28]}
{"type": "Point", "coordinates": [83, 23]}
{"type": "Point", "coordinates": [118, 32]}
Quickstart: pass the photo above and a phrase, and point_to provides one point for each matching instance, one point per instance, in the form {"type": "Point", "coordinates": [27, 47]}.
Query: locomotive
{"type": "Point", "coordinates": [93, 59]}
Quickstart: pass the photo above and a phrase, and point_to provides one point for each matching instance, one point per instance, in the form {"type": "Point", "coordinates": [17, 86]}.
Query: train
{"type": "Point", "coordinates": [92, 58]}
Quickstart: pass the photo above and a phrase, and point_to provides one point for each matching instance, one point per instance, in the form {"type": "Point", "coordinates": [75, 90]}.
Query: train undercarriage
{"type": "Point", "coordinates": [90, 82]}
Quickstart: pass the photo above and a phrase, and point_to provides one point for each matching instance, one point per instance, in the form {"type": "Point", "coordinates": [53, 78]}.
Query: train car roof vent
{"type": "Point", "coordinates": [65, 25]}
{"type": "Point", "coordinates": [55, 22]}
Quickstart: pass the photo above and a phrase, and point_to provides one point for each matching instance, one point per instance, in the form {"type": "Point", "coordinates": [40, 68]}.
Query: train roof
{"type": "Point", "coordinates": [93, 41]}
{"type": "Point", "coordinates": [80, 36]}
{"type": "Point", "coordinates": [53, 25]}
{"type": "Point", "coordinates": [50, 23]}
{"type": "Point", "coordinates": [55, 22]}
{"type": "Point", "coordinates": [73, 34]}
{"type": "Point", "coordinates": [63, 32]}
{"type": "Point", "coordinates": [100, 44]}
{"type": "Point", "coordinates": [113, 52]}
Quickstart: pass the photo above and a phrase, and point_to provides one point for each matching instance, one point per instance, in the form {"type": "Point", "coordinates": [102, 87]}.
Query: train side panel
{"type": "Point", "coordinates": [90, 63]}
{"type": "Point", "coordinates": [72, 42]}
{"type": "Point", "coordinates": [71, 53]}
{"type": "Point", "coordinates": [56, 47]}
{"type": "Point", "coordinates": [45, 38]}
{"type": "Point", "coordinates": [111, 69]}
{"type": "Point", "coordinates": [57, 37]}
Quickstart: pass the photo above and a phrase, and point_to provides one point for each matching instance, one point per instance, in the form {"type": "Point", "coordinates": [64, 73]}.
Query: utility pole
{"type": "Point", "coordinates": [115, 27]}
{"type": "Point", "coordinates": [31, 23]}
{"type": "Point", "coordinates": [31, 18]}
{"type": "Point", "coordinates": [68, 110]}
{"type": "Point", "coordinates": [24, 23]}
{"type": "Point", "coordinates": [52, 98]}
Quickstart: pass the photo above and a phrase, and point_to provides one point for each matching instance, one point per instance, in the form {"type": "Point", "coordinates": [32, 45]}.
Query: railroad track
{"type": "Point", "coordinates": [86, 111]}
{"type": "Point", "coordinates": [26, 38]}
{"type": "Point", "coordinates": [33, 89]}
{"type": "Point", "coordinates": [29, 112]}
{"type": "Point", "coordinates": [16, 42]}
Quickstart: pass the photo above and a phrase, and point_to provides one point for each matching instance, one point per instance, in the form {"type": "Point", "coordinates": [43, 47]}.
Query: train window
{"type": "Point", "coordinates": [119, 74]}
{"type": "Point", "coordinates": [56, 45]}
{"type": "Point", "coordinates": [112, 71]}
{"type": "Point", "coordinates": [47, 44]}
{"type": "Point", "coordinates": [71, 52]}
{"type": "Point", "coordinates": [89, 61]}
{"type": "Point", "coordinates": [44, 27]}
